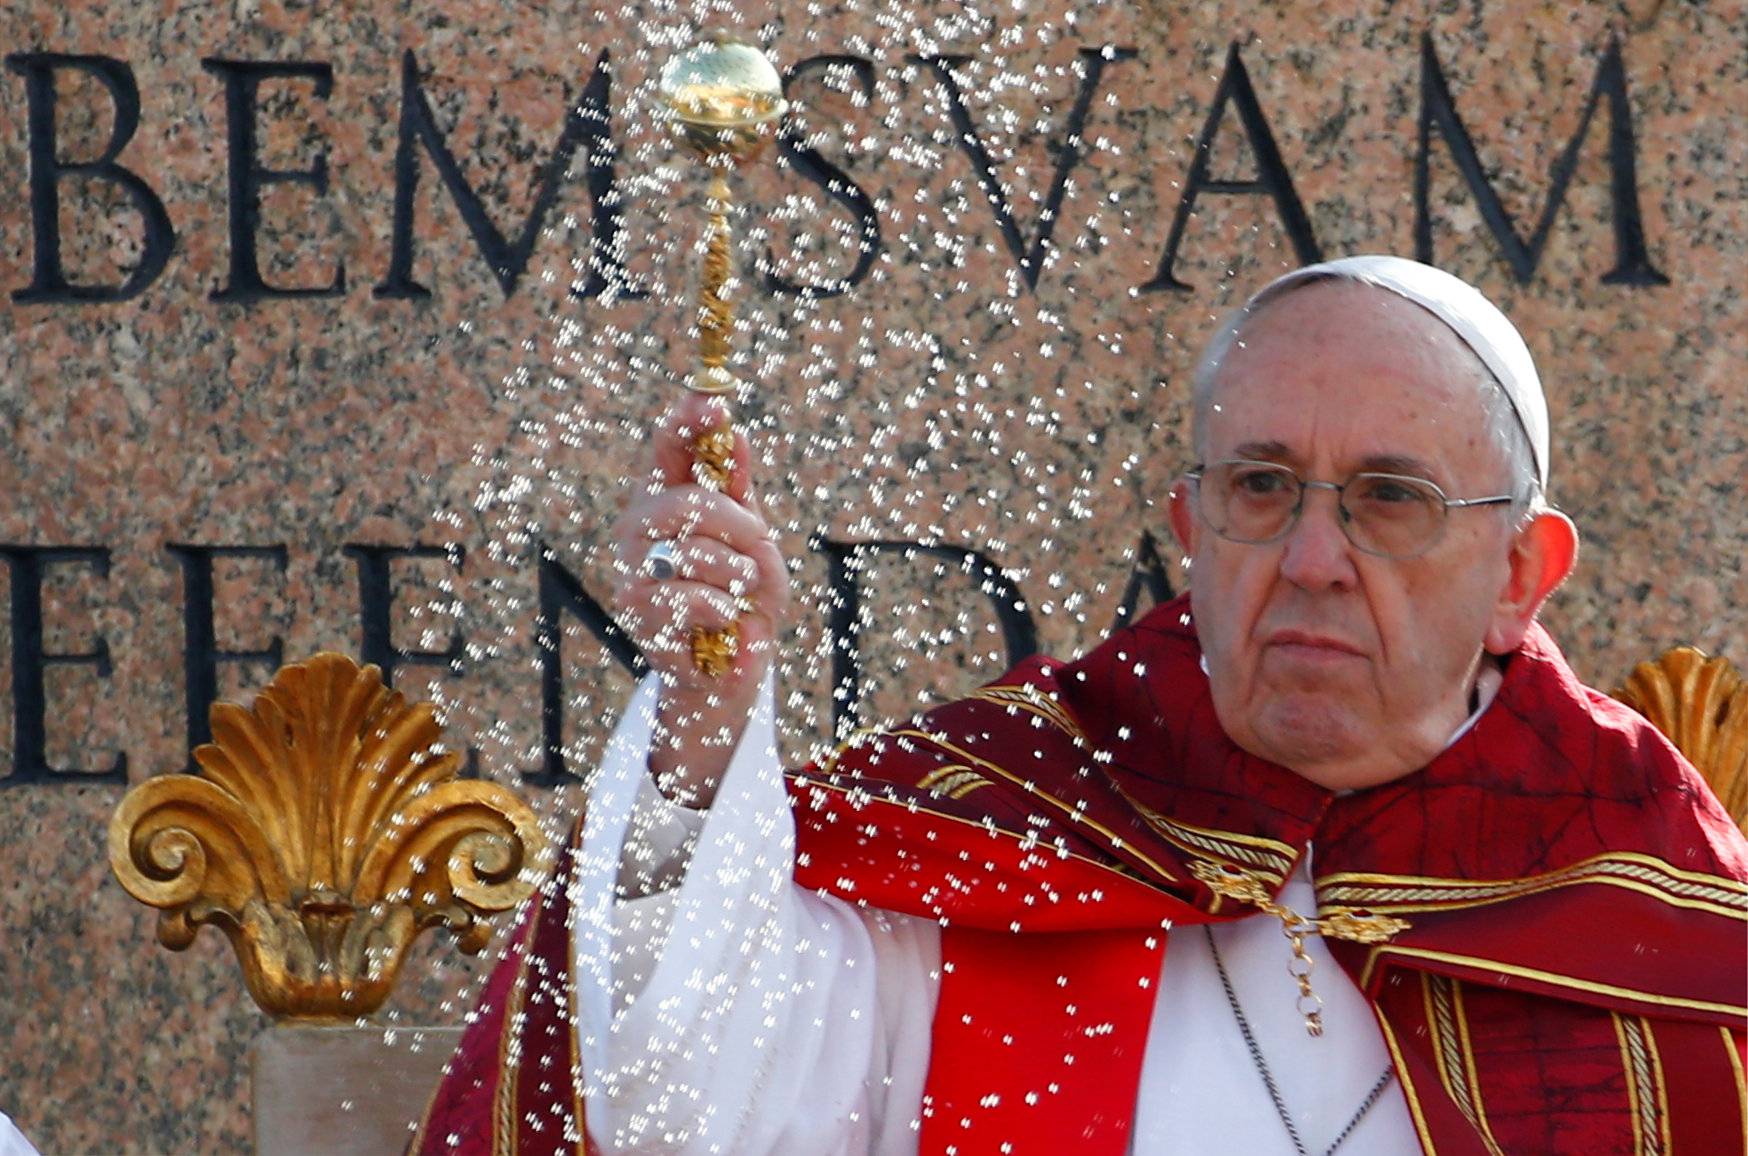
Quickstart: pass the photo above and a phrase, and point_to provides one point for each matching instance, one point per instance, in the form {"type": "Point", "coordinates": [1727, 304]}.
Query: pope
{"type": "Point", "coordinates": [1333, 853]}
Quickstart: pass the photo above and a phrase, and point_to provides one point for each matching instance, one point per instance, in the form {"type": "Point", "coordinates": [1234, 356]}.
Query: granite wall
{"type": "Point", "coordinates": [338, 326]}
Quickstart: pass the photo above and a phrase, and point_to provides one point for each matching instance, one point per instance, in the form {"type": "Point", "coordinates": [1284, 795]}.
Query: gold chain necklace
{"type": "Point", "coordinates": [1355, 926]}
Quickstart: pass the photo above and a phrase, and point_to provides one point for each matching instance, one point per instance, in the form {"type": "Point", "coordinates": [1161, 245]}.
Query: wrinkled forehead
{"type": "Point", "coordinates": [1324, 317]}
{"type": "Point", "coordinates": [1339, 364]}
{"type": "Point", "coordinates": [1453, 306]}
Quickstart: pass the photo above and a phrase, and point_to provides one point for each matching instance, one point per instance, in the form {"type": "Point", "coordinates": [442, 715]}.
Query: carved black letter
{"type": "Point", "coordinates": [1632, 262]}
{"type": "Point", "coordinates": [376, 608]}
{"type": "Point", "coordinates": [837, 184]}
{"type": "Point", "coordinates": [48, 279]}
{"type": "Point", "coordinates": [1030, 258]}
{"type": "Point", "coordinates": [201, 656]}
{"type": "Point", "coordinates": [589, 122]}
{"type": "Point", "coordinates": [560, 591]}
{"type": "Point", "coordinates": [242, 87]}
{"type": "Point", "coordinates": [1272, 177]}
{"type": "Point", "coordinates": [25, 566]}
{"type": "Point", "coordinates": [845, 558]}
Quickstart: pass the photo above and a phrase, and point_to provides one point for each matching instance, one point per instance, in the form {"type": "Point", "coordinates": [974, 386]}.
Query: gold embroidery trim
{"type": "Point", "coordinates": [501, 1112]}
{"type": "Point", "coordinates": [1248, 887]}
{"type": "Point", "coordinates": [1730, 885]}
{"type": "Point", "coordinates": [1034, 701]}
{"type": "Point", "coordinates": [1448, 1023]}
{"type": "Point", "coordinates": [1642, 873]}
{"type": "Point", "coordinates": [509, 1066]}
{"type": "Point", "coordinates": [829, 764]}
{"type": "Point", "coordinates": [1267, 857]}
{"type": "Point", "coordinates": [1408, 1090]}
{"type": "Point", "coordinates": [1633, 1086]}
{"type": "Point", "coordinates": [811, 783]}
{"type": "Point", "coordinates": [1019, 781]}
{"type": "Point", "coordinates": [953, 782]}
{"type": "Point", "coordinates": [1647, 1094]}
{"type": "Point", "coordinates": [574, 1013]}
{"type": "Point", "coordinates": [1548, 977]}
{"type": "Point", "coordinates": [1736, 1070]}
{"type": "Point", "coordinates": [1473, 1073]}
{"type": "Point", "coordinates": [1662, 1083]}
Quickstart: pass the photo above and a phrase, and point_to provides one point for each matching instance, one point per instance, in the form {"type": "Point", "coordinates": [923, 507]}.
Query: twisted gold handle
{"type": "Point", "coordinates": [713, 651]}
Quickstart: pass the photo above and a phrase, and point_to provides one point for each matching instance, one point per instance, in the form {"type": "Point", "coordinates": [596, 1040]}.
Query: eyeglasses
{"type": "Point", "coordinates": [1390, 515]}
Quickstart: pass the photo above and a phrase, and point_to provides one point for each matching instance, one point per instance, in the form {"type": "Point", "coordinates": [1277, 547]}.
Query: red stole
{"type": "Point", "coordinates": [514, 1086]}
{"type": "Point", "coordinates": [1571, 978]}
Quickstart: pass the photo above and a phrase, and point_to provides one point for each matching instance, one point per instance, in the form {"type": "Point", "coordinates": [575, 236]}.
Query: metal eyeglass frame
{"type": "Point", "coordinates": [1345, 521]}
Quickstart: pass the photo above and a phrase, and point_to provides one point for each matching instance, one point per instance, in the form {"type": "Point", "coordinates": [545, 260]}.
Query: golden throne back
{"type": "Point", "coordinates": [326, 830]}
{"type": "Point", "coordinates": [1701, 704]}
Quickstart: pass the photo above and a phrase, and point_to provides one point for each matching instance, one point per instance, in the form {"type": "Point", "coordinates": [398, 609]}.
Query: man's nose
{"type": "Point", "coordinates": [1318, 555]}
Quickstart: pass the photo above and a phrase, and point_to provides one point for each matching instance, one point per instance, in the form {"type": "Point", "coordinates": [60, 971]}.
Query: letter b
{"type": "Point", "coordinates": [48, 277]}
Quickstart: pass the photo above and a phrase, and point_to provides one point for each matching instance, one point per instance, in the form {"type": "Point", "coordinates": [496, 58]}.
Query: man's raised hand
{"type": "Point", "coordinates": [727, 570]}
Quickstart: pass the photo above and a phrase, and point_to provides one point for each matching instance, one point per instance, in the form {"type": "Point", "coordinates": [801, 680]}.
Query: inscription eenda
{"type": "Point", "coordinates": [562, 597]}
{"type": "Point", "coordinates": [56, 182]}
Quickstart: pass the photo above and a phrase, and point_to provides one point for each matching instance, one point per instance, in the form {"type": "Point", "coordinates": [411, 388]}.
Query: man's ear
{"type": "Point", "coordinates": [1541, 558]}
{"type": "Point", "coordinates": [1182, 513]}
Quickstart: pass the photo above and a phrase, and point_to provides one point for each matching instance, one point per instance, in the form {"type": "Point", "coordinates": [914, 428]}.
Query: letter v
{"type": "Point", "coordinates": [1029, 257]}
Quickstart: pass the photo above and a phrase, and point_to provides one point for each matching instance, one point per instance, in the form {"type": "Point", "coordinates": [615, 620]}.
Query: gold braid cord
{"type": "Point", "coordinates": [1358, 926]}
{"type": "Point", "coordinates": [322, 835]}
{"type": "Point", "coordinates": [1701, 705]}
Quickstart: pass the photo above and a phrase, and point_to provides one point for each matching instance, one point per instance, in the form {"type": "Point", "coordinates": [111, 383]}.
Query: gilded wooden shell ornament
{"type": "Point", "coordinates": [1701, 705]}
{"type": "Point", "coordinates": [322, 835]}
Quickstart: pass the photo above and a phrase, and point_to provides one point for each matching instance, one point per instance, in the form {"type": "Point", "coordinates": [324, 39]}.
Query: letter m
{"type": "Point", "coordinates": [587, 124]}
{"type": "Point", "coordinates": [1632, 262]}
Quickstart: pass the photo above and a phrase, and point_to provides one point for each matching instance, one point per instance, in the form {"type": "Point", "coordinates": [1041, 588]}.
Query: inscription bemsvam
{"type": "Point", "coordinates": [423, 141]}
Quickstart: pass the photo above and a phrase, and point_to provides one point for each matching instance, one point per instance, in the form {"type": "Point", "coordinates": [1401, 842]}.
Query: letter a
{"type": "Point", "coordinates": [1271, 175]}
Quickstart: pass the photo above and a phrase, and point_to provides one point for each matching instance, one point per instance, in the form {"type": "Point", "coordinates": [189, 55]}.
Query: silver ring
{"type": "Point", "coordinates": [661, 562]}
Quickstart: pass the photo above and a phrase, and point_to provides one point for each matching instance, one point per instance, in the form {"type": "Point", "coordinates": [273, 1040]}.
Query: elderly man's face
{"type": "Point", "coordinates": [1352, 669]}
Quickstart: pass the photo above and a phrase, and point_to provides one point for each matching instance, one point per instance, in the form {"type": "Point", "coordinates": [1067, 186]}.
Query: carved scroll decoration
{"type": "Point", "coordinates": [323, 834]}
{"type": "Point", "coordinates": [1701, 705]}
